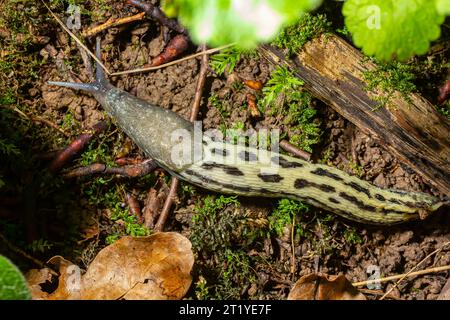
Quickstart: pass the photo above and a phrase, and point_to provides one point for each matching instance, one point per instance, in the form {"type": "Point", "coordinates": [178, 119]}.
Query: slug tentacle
{"type": "Point", "coordinates": [89, 87]}
{"type": "Point", "coordinates": [101, 84]}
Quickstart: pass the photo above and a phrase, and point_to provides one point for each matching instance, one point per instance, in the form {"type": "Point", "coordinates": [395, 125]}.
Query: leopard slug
{"type": "Point", "coordinates": [236, 169]}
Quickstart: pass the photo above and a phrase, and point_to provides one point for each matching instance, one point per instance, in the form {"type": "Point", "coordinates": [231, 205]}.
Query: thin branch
{"type": "Point", "coordinates": [129, 171]}
{"type": "Point", "coordinates": [112, 22]}
{"type": "Point", "coordinates": [206, 52]}
{"type": "Point", "coordinates": [200, 85]}
{"type": "Point", "coordinates": [156, 13]}
{"type": "Point", "coordinates": [287, 146]}
{"type": "Point", "coordinates": [415, 267]}
{"type": "Point", "coordinates": [26, 255]}
{"type": "Point", "coordinates": [75, 147]}
{"type": "Point", "coordinates": [49, 124]}
{"type": "Point", "coordinates": [159, 226]}
{"type": "Point", "coordinates": [402, 276]}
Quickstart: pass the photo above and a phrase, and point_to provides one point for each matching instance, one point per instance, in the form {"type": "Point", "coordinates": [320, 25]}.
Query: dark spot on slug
{"type": "Point", "coordinates": [219, 152]}
{"type": "Point", "coordinates": [208, 165]}
{"type": "Point", "coordinates": [270, 177]}
{"type": "Point", "coordinates": [325, 187]}
{"type": "Point", "coordinates": [359, 188]}
{"type": "Point", "coordinates": [380, 197]}
{"type": "Point", "coordinates": [333, 200]}
{"type": "Point", "coordinates": [395, 201]}
{"type": "Point", "coordinates": [223, 185]}
{"type": "Point", "coordinates": [300, 183]}
{"type": "Point", "coordinates": [247, 156]}
{"type": "Point", "coordinates": [228, 169]}
{"type": "Point", "coordinates": [357, 202]}
{"type": "Point", "coordinates": [326, 173]}
{"type": "Point", "coordinates": [282, 162]}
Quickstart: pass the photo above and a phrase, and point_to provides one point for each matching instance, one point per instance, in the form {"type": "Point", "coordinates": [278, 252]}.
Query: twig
{"type": "Point", "coordinates": [134, 206]}
{"type": "Point", "coordinates": [207, 52]}
{"type": "Point", "coordinates": [194, 112]}
{"type": "Point", "coordinates": [415, 267]}
{"type": "Point", "coordinates": [39, 119]}
{"type": "Point", "coordinates": [112, 22]}
{"type": "Point", "coordinates": [50, 124]}
{"type": "Point", "coordinates": [26, 255]}
{"type": "Point", "coordinates": [129, 171]}
{"type": "Point", "coordinates": [401, 276]}
{"type": "Point", "coordinates": [294, 150]}
{"type": "Point", "coordinates": [200, 84]}
{"type": "Point", "coordinates": [75, 147]}
{"type": "Point", "coordinates": [157, 14]}
{"type": "Point", "coordinates": [293, 246]}
{"type": "Point", "coordinates": [159, 226]}
{"type": "Point", "coordinates": [377, 293]}
{"type": "Point", "coordinates": [174, 48]}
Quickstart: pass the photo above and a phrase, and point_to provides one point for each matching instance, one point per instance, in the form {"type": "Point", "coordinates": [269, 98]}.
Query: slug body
{"type": "Point", "coordinates": [242, 170]}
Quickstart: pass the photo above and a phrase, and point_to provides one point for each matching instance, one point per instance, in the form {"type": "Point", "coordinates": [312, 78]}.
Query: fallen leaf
{"type": "Point", "coordinates": [324, 287]}
{"type": "Point", "coordinates": [153, 267]}
{"type": "Point", "coordinates": [35, 278]}
{"type": "Point", "coordinates": [132, 268]}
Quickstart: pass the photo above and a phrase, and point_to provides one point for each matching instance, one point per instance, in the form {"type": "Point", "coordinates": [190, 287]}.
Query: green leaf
{"type": "Point", "coordinates": [443, 6]}
{"type": "Point", "coordinates": [13, 285]}
{"type": "Point", "coordinates": [219, 22]}
{"type": "Point", "coordinates": [393, 28]}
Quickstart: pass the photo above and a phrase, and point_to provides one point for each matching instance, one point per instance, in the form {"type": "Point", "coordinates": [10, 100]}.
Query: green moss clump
{"type": "Point", "coordinates": [389, 78]}
{"type": "Point", "coordinates": [221, 236]}
{"type": "Point", "coordinates": [283, 94]}
{"type": "Point", "coordinates": [296, 35]}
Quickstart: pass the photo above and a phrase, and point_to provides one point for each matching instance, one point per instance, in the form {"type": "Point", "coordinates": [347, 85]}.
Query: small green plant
{"type": "Point", "coordinates": [13, 285]}
{"type": "Point", "coordinates": [220, 235]}
{"type": "Point", "coordinates": [281, 84]}
{"type": "Point", "coordinates": [132, 226]}
{"type": "Point", "coordinates": [225, 61]}
{"type": "Point", "coordinates": [296, 35]}
{"type": "Point", "coordinates": [40, 245]}
{"type": "Point", "coordinates": [97, 152]}
{"type": "Point", "coordinates": [106, 193]}
{"type": "Point", "coordinates": [283, 93]}
{"type": "Point", "coordinates": [357, 169]}
{"type": "Point", "coordinates": [351, 236]}
{"type": "Point", "coordinates": [287, 211]}
{"type": "Point", "coordinates": [389, 78]}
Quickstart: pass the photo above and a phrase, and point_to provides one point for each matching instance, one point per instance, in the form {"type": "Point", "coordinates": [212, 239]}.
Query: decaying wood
{"type": "Point", "coordinates": [409, 128]}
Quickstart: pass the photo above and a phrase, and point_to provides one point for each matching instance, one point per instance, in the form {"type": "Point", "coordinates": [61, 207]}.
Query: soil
{"type": "Point", "coordinates": [394, 250]}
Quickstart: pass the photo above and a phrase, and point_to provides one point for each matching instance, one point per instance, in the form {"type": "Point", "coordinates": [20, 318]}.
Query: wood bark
{"type": "Point", "coordinates": [409, 127]}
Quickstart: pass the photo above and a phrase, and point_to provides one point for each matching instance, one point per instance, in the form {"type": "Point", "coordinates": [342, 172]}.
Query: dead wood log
{"type": "Point", "coordinates": [409, 127]}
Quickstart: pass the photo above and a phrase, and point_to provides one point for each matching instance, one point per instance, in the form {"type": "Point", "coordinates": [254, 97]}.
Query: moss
{"type": "Point", "coordinates": [389, 78]}
{"type": "Point", "coordinates": [283, 94]}
{"type": "Point", "coordinates": [296, 35]}
{"type": "Point", "coordinates": [287, 213]}
{"type": "Point", "coordinates": [221, 235]}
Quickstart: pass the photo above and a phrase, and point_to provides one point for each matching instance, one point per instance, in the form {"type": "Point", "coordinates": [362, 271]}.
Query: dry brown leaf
{"type": "Point", "coordinates": [144, 268]}
{"type": "Point", "coordinates": [69, 281]}
{"type": "Point", "coordinates": [324, 287]}
{"type": "Point", "coordinates": [36, 277]}
{"type": "Point", "coordinates": [153, 267]}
